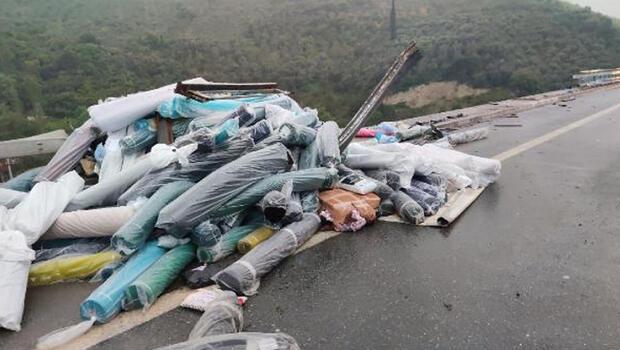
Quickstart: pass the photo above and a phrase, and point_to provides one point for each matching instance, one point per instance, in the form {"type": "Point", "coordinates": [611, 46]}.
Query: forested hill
{"type": "Point", "coordinates": [58, 57]}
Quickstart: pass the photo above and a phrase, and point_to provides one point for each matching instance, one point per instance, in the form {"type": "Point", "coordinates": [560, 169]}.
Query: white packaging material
{"type": "Point", "coordinates": [15, 259]}
{"type": "Point", "coordinates": [113, 160]}
{"type": "Point", "coordinates": [482, 171]}
{"type": "Point", "coordinates": [115, 114]}
{"type": "Point", "coordinates": [11, 198]}
{"type": "Point", "coordinates": [107, 192]}
{"type": "Point", "coordinates": [38, 211]}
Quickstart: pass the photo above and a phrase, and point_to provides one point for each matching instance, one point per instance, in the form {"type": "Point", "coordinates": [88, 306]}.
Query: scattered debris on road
{"type": "Point", "coordinates": [156, 180]}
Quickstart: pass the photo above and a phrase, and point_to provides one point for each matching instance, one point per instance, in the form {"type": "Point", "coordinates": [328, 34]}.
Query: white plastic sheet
{"type": "Point", "coordinates": [19, 228]}
{"type": "Point", "coordinates": [15, 259]}
{"type": "Point", "coordinates": [117, 113]}
{"type": "Point", "coordinates": [11, 198]}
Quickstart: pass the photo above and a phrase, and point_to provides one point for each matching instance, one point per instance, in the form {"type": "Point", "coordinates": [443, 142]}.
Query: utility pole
{"type": "Point", "coordinates": [393, 21]}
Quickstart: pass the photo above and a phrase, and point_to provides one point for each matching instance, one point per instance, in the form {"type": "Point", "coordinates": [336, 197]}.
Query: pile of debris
{"type": "Point", "coordinates": [156, 180]}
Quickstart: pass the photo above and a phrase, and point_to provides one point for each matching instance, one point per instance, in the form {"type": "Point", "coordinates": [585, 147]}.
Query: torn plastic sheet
{"type": "Point", "coordinates": [137, 230]}
{"type": "Point", "coordinates": [105, 302]}
{"type": "Point", "coordinates": [101, 222]}
{"type": "Point", "coordinates": [107, 192]}
{"type": "Point", "coordinates": [239, 341]}
{"type": "Point", "coordinates": [69, 153]}
{"type": "Point", "coordinates": [22, 182]}
{"type": "Point", "coordinates": [221, 316]}
{"type": "Point", "coordinates": [200, 164]}
{"type": "Point", "coordinates": [143, 292]}
{"type": "Point", "coordinates": [243, 276]}
{"type": "Point", "coordinates": [70, 268]}
{"type": "Point", "coordinates": [226, 244]}
{"type": "Point", "coordinates": [201, 201]}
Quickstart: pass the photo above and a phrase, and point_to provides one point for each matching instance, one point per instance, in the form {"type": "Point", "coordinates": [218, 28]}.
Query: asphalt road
{"type": "Point", "coordinates": [532, 264]}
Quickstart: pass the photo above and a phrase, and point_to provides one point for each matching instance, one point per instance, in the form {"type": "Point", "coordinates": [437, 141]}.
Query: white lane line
{"type": "Point", "coordinates": [553, 134]}
{"type": "Point", "coordinates": [168, 302]}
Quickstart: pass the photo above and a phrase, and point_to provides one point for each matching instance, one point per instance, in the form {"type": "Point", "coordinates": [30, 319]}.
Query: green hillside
{"type": "Point", "coordinates": [58, 57]}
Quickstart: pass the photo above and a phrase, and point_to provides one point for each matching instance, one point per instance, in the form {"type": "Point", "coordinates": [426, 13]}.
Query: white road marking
{"type": "Point", "coordinates": [168, 302]}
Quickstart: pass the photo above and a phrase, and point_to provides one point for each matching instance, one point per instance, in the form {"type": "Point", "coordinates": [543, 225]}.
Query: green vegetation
{"type": "Point", "coordinates": [58, 57]}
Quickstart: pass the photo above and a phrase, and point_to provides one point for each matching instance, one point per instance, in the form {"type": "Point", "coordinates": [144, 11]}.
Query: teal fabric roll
{"type": "Point", "coordinates": [151, 284]}
{"type": "Point", "coordinates": [105, 302]}
{"type": "Point", "coordinates": [135, 232]}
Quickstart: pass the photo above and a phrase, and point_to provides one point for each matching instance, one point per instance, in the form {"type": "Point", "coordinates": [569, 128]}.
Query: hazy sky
{"type": "Point", "coordinates": [608, 7]}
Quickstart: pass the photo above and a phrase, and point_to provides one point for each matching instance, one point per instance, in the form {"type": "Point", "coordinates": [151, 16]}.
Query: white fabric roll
{"type": "Point", "coordinates": [102, 222]}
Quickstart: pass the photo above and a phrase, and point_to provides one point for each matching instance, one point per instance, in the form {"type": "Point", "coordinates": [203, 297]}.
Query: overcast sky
{"type": "Point", "coordinates": [608, 7]}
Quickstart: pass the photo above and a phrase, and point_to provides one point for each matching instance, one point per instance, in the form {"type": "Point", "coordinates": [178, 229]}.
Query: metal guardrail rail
{"type": "Point", "coordinates": [373, 100]}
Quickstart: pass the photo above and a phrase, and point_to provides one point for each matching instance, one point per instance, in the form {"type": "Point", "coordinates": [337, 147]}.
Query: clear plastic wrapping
{"type": "Point", "coordinates": [407, 208]}
{"type": "Point", "coordinates": [226, 244]}
{"type": "Point", "coordinates": [143, 292]}
{"type": "Point", "coordinates": [69, 153]}
{"type": "Point", "coordinates": [243, 276]}
{"type": "Point", "coordinates": [413, 132]}
{"type": "Point", "coordinates": [239, 341]}
{"type": "Point", "coordinates": [429, 203]}
{"type": "Point", "coordinates": [70, 268]}
{"type": "Point", "coordinates": [135, 232]}
{"type": "Point", "coordinates": [303, 180]}
{"type": "Point", "coordinates": [293, 134]}
{"type": "Point", "coordinates": [105, 302]}
{"type": "Point", "coordinates": [221, 316]}
{"type": "Point", "coordinates": [257, 236]}
{"type": "Point", "coordinates": [327, 142]}
{"type": "Point", "coordinates": [206, 234]}
{"type": "Point", "coordinates": [200, 164]}
{"type": "Point", "coordinates": [70, 247]}
{"type": "Point", "coordinates": [467, 136]}
{"type": "Point", "coordinates": [196, 205]}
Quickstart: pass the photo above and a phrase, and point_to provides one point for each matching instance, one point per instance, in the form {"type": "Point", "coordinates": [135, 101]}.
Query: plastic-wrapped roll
{"type": "Point", "coordinates": [206, 234]}
{"type": "Point", "coordinates": [201, 201]}
{"type": "Point", "coordinates": [413, 132]}
{"type": "Point", "coordinates": [429, 203]}
{"type": "Point", "coordinates": [243, 276]}
{"type": "Point", "coordinates": [239, 341]}
{"type": "Point", "coordinates": [293, 134]}
{"type": "Point", "coordinates": [226, 245]}
{"type": "Point", "coordinates": [407, 208]}
{"type": "Point", "coordinates": [22, 182]}
{"type": "Point", "coordinates": [101, 222]}
{"type": "Point", "coordinates": [69, 153]}
{"type": "Point", "coordinates": [327, 142]}
{"type": "Point", "coordinates": [221, 316]}
{"type": "Point", "coordinates": [151, 284]}
{"type": "Point", "coordinates": [69, 268]}
{"type": "Point", "coordinates": [303, 180]}
{"type": "Point", "coordinates": [250, 241]}
{"type": "Point", "coordinates": [136, 231]}
{"type": "Point", "coordinates": [201, 163]}
{"type": "Point", "coordinates": [138, 141]}
{"type": "Point", "coordinates": [105, 302]}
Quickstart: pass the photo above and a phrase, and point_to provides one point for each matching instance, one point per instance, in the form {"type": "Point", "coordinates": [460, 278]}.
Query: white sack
{"type": "Point", "coordinates": [11, 198]}
{"type": "Point", "coordinates": [15, 259]}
